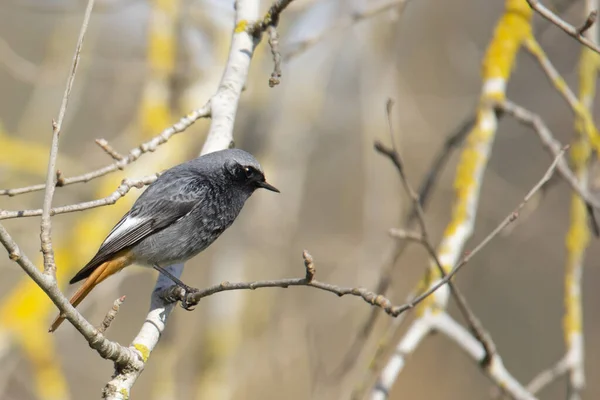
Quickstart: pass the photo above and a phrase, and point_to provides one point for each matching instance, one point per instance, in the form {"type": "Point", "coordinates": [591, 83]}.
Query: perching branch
{"type": "Point", "coordinates": [175, 293]}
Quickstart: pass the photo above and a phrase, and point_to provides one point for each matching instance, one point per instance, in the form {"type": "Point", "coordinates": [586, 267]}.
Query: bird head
{"type": "Point", "coordinates": [243, 169]}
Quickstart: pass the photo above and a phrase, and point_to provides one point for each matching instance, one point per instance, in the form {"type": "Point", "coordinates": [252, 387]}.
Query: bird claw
{"type": "Point", "coordinates": [188, 302]}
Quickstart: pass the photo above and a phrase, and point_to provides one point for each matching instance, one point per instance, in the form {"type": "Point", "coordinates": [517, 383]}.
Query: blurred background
{"type": "Point", "coordinates": [145, 63]}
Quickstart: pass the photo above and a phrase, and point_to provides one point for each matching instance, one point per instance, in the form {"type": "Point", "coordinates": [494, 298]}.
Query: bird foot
{"type": "Point", "coordinates": [188, 301]}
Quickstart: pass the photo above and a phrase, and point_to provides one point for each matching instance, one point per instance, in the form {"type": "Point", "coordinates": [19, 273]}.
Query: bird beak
{"type": "Point", "coordinates": [265, 185]}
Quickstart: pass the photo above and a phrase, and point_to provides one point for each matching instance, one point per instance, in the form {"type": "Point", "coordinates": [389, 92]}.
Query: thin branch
{"type": "Point", "coordinates": [46, 225]}
{"type": "Point", "coordinates": [552, 145]}
{"type": "Point", "coordinates": [565, 26]}
{"type": "Point", "coordinates": [135, 153]}
{"type": "Point", "coordinates": [125, 186]}
{"type": "Point", "coordinates": [274, 44]}
{"type": "Point", "coordinates": [474, 324]}
{"type": "Point", "coordinates": [406, 235]}
{"type": "Point", "coordinates": [269, 24]}
{"type": "Point", "coordinates": [548, 376]}
{"type": "Point", "coordinates": [301, 46]}
{"type": "Point", "coordinates": [509, 219]}
{"type": "Point", "coordinates": [103, 144]}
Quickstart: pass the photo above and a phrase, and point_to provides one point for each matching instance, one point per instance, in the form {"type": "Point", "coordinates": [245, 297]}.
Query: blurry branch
{"type": "Point", "coordinates": [483, 350]}
{"type": "Point", "coordinates": [578, 235]}
{"type": "Point", "coordinates": [548, 376]}
{"type": "Point", "coordinates": [301, 46]}
{"type": "Point", "coordinates": [511, 30]}
{"type": "Point", "coordinates": [27, 156]}
{"type": "Point", "coordinates": [576, 33]}
{"type": "Point", "coordinates": [102, 6]}
{"type": "Point", "coordinates": [473, 322]}
{"type": "Point", "coordinates": [51, 178]}
{"type": "Point", "coordinates": [22, 69]}
{"type": "Point", "coordinates": [553, 147]}
{"type": "Point", "coordinates": [135, 153]}
{"type": "Point", "coordinates": [453, 141]}
{"type": "Point", "coordinates": [582, 114]}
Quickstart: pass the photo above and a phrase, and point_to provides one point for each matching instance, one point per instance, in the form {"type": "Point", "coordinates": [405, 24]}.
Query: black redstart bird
{"type": "Point", "coordinates": [177, 217]}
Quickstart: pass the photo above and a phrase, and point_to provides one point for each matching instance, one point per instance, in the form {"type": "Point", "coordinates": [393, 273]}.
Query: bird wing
{"type": "Point", "coordinates": [170, 198]}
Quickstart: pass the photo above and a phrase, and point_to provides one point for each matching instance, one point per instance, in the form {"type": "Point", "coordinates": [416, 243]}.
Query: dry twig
{"type": "Point", "coordinates": [474, 324]}
{"type": "Point", "coordinates": [124, 188]}
{"type": "Point", "coordinates": [269, 24]}
{"type": "Point", "coordinates": [135, 153]}
{"type": "Point", "coordinates": [111, 314]}
{"type": "Point", "coordinates": [103, 144]}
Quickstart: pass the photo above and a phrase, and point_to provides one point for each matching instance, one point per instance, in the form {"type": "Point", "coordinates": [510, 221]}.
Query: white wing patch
{"type": "Point", "coordinates": [122, 227]}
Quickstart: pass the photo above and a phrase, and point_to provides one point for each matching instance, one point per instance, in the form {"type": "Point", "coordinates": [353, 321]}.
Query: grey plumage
{"type": "Point", "coordinates": [184, 210]}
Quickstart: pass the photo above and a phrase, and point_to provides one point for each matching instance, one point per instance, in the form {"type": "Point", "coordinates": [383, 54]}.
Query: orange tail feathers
{"type": "Point", "coordinates": [102, 272]}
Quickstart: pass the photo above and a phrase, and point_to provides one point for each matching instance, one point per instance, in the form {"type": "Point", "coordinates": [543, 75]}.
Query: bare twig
{"type": "Point", "coordinates": [565, 26]}
{"type": "Point", "coordinates": [125, 186]}
{"type": "Point", "coordinates": [111, 314]}
{"type": "Point", "coordinates": [103, 144]}
{"type": "Point", "coordinates": [135, 153]}
{"type": "Point", "coordinates": [406, 235]}
{"type": "Point", "coordinates": [475, 325]}
{"type": "Point", "coordinates": [46, 226]}
{"type": "Point", "coordinates": [509, 219]}
{"type": "Point", "coordinates": [303, 45]}
{"type": "Point", "coordinates": [269, 24]}
{"type": "Point", "coordinates": [274, 44]}
{"type": "Point", "coordinates": [548, 376]}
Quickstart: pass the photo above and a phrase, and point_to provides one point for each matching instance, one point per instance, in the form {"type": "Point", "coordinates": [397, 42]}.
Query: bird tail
{"type": "Point", "coordinates": [100, 273]}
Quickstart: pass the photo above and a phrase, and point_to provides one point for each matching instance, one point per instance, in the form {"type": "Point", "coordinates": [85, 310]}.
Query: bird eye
{"type": "Point", "coordinates": [249, 171]}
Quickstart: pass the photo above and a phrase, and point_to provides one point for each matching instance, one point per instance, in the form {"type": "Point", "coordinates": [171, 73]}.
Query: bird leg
{"type": "Point", "coordinates": [186, 304]}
